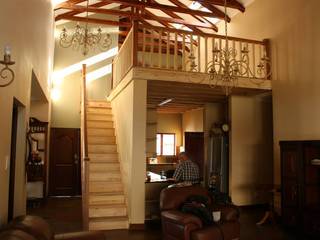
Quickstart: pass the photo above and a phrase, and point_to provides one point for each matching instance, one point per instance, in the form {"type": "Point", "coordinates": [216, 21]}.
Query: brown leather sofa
{"type": "Point", "coordinates": [35, 228]}
{"type": "Point", "coordinates": [177, 225]}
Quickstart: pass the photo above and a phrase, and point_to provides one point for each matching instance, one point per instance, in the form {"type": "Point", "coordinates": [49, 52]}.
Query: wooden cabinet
{"type": "Point", "coordinates": [300, 176]}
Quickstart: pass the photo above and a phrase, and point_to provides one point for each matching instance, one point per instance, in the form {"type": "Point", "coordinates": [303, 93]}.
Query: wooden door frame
{"type": "Point", "coordinates": [16, 105]}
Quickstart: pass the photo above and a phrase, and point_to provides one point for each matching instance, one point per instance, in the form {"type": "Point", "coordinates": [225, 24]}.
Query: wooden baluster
{"type": "Point", "coordinates": [234, 47]}
{"type": "Point", "coordinates": [206, 54]}
{"type": "Point", "coordinates": [240, 53]}
{"type": "Point", "coordinates": [199, 52]}
{"type": "Point", "coordinates": [160, 50]}
{"type": "Point", "coordinates": [254, 60]}
{"type": "Point", "coordinates": [151, 48]}
{"type": "Point", "coordinates": [213, 48]}
{"type": "Point", "coordinates": [220, 48]}
{"type": "Point", "coordinates": [191, 51]}
{"type": "Point", "coordinates": [183, 52]}
{"type": "Point", "coordinates": [266, 43]}
{"type": "Point", "coordinates": [247, 48]}
{"type": "Point", "coordinates": [143, 46]}
{"type": "Point", "coordinates": [135, 42]}
{"type": "Point", "coordinates": [175, 67]}
{"type": "Point", "coordinates": [168, 50]}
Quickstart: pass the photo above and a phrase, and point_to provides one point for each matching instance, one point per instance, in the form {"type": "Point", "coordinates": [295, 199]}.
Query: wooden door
{"type": "Point", "coordinates": [65, 167]}
{"type": "Point", "coordinates": [194, 147]}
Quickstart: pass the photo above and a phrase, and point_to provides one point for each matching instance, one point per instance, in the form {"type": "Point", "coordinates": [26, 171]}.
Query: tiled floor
{"type": "Point", "coordinates": [64, 215]}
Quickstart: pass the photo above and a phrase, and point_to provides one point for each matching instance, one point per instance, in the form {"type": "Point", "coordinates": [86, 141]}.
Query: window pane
{"type": "Point", "coordinates": [158, 144]}
{"type": "Point", "coordinates": [168, 146]}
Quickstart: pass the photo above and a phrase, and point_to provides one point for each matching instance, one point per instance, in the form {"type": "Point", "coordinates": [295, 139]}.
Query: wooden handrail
{"type": "Point", "coordinates": [181, 50]}
{"type": "Point", "coordinates": [84, 152]}
{"type": "Point", "coordinates": [142, 25]}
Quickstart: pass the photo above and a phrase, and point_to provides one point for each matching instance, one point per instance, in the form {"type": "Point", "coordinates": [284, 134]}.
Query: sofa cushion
{"type": "Point", "coordinates": [173, 198]}
{"type": "Point", "coordinates": [34, 226]}
{"type": "Point", "coordinates": [15, 235]}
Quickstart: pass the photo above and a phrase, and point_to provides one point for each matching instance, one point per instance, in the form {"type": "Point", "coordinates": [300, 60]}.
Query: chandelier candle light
{"type": "Point", "coordinates": [6, 73]}
{"type": "Point", "coordinates": [225, 69]}
{"type": "Point", "coordinates": [84, 39]}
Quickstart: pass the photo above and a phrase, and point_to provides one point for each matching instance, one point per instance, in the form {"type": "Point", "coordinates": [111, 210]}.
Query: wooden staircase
{"type": "Point", "coordinates": [107, 202]}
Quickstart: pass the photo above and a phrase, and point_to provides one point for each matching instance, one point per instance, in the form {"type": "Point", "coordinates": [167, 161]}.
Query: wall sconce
{"type": "Point", "coordinates": [6, 73]}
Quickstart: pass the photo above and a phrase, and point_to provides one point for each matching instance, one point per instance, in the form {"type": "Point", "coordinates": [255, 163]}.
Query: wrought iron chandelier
{"type": "Point", "coordinates": [85, 40]}
{"type": "Point", "coordinates": [224, 70]}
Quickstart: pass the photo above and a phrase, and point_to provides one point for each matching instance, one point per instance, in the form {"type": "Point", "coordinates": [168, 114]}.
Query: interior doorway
{"type": "Point", "coordinates": [65, 166]}
{"type": "Point", "coordinates": [194, 146]}
{"type": "Point", "coordinates": [16, 110]}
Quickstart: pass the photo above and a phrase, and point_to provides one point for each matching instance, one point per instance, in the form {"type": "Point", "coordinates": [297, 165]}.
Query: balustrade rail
{"type": "Point", "coordinates": [173, 49]}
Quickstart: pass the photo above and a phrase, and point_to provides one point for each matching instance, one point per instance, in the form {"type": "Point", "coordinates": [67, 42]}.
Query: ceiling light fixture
{"type": "Point", "coordinates": [224, 70]}
{"type": "Point", "coordinates": [84, 39]}
{"type": "Point", "coordinates": [165, 102]}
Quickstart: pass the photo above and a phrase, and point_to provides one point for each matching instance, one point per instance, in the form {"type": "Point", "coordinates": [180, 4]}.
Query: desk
{"type": "Point", "coordinates": [152, 197]}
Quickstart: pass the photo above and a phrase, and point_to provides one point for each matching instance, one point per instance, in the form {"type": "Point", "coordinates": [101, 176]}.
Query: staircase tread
{"type": "Point", "coordinates": [95, 113]}
{"type": "Point", "coordinates": [93, 181]}
{"type": "Point", "coordinates": [107, 194]}
{"type": "Point", "coordinates": [102, 219]}
{"type": "Point", "coordinates": [110, 205]}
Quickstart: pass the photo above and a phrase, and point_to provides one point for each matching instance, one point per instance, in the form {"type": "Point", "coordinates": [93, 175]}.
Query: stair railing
{"type": "Point", "coordinates": [84, 152]}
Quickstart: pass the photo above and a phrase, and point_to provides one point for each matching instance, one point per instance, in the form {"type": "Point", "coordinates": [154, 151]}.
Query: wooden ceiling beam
{"type": "Point", "coordinates": [230, 4]}
{"type": "Point", "coordinates": [60, 5]}
{"type": "Point", "coordinates": [97, 21]}
{"type": "Point", "coordinates": [128, 14]}
{"type": "Point", "coordinates": [219, 14]}
{"type": "Point", "coordinates": [161, 7]}
{"type": "Point", "coordinates": [72, 13]}
{"type": "Point", "coordinates": [174, 15]}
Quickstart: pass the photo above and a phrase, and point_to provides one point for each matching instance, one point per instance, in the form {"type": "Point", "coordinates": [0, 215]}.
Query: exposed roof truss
{"type": "Point", "coordinates": [167, 13]}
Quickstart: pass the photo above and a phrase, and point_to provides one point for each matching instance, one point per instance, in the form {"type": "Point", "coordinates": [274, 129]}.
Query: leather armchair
{"type": "Point", "coordinates": [35, 228]}
{"type": "Point", "coordinates": [177, 225]}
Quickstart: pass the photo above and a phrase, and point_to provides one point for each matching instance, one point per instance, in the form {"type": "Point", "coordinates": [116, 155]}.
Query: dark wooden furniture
{"type": "Point", "coordinates": [36, 166]}
{"type": "Point", "coordinates": [300, 176]}
{"type": "Point", "coordinates": [179, 225]}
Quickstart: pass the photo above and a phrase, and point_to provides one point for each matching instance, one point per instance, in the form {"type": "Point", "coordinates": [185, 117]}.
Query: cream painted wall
{"type": "Point", "coordinates": [66, 110]}
{"type": "Point", "coordinates": [251, 155]}
{"type": "Point", "coordinates": [192, 121]}
{"type": "Point", "coordinates": [170, 123]}
{"type": "Point", "coordinates": [293, 27]}
{"type": "Point", "coordinates": [130, 110]}
{"type": "Point", "coordinates": [31, 38]}
{"type": "Point", "coordinates": [40, 110]}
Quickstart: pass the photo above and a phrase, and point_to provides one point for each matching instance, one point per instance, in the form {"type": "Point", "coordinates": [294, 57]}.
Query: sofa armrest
{"type": "Point", "coordinates": [228, 212]}
{"type": "Point", "coordinates": [181, 218]}
{"type": "Point", "coordinates": [81, 236]}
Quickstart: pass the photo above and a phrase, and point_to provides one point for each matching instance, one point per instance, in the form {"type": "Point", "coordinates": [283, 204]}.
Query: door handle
{"type": "Point", "coordinates": [75, 156]}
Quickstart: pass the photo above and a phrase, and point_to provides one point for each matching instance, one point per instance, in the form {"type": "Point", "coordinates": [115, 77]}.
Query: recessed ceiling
{"type": "Point", "coordinates": [188, 96]}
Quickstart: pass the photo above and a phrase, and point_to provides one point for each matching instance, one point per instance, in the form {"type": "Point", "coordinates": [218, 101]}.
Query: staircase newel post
{"type": "Point", "coordinates": [135, 26]}
{"type": "Point", "coordinates": [84, 152]}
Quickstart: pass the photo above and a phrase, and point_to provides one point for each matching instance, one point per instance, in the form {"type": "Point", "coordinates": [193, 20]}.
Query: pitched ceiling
{"type": "Point", "coordinates": [198, 16]}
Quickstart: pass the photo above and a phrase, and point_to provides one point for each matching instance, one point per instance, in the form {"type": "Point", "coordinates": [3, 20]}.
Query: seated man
{"type": "Point", "coordinates": [187, 170]}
